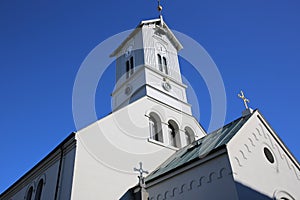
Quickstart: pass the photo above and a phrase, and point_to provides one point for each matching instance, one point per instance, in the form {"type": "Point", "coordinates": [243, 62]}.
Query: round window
{"type": "Point", "coordinates": [269, 155]}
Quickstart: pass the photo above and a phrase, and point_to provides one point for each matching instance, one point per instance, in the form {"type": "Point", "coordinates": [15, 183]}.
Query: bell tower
{"type": "Point", "coordinates": [147, 65]}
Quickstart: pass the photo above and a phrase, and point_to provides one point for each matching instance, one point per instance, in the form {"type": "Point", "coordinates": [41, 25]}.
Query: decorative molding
{"type": "Point", "coordinates": [238, 161]}
{"type": "Point", "coordinates": [160, 39]}
{"type": "Point", "coordinates": [202, 180]}
{"type": "Point", "coordinates": [212, 176]}
{"type": "Point", "coordinates": [255, 137]}
{"type": "Point", "coordinates": [251, 141]}
{"type": "Point", "coordinates": [184, 188]}
{"type": "Point", "coordinates": [294, 169]}
{"type": "Point", "coordinates": [260, 135]}
{"type": "Point", "coordinates": [287, 162]}
{"type": "Point", "coordinates": [262, 130]}
{"type": "Point", "coordinates": [243, 154]}
{"type": "Point", "coordinates": [281, 155]}
{"type": "Point", "coordinates": [278, 151]}
{"type": "Point", "coordinates": [192, 184]}
{"type": "Point", "coordinates": [267, 136]}
{"type": "Point", "coordinates": [247, 148]}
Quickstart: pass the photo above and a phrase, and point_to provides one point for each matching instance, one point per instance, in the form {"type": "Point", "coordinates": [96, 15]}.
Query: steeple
{"type": "Point", "coordinates": [147, 65]}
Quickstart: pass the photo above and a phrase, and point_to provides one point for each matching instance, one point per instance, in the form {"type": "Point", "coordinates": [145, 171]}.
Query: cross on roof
{"type": "Point", "coordinates": [141, 171]}
{"type": "Point", "coordinates": [242, 96]}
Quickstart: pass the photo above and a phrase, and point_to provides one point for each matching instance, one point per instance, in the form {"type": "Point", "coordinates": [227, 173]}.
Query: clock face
{"type": "Point", "coordinates": [167, 86]}
{"type": "Point", "coordinates": [128, 50]}
{"type": "Point", "coordinates": [128, 89]}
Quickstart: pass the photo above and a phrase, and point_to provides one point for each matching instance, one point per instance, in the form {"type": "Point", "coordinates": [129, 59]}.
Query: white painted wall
{"type": "Point", "coordinates": [252, 169]}
{"type": "Point", "coordinates": [153, 79]}
{"type": "Point", "coordinates": [109, 149]}
{"type": "Point", "coordinates": [152, 43]}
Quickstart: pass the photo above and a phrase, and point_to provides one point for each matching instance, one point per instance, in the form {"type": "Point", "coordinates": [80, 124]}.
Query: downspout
{"type": "Point", "coordinates": [59, 173]}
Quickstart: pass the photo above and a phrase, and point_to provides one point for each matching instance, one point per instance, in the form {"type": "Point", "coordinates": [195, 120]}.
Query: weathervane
{"type": "Point", "coordinates": [141, 177]}
{"type": "Point", "coordinates": [242, 96]}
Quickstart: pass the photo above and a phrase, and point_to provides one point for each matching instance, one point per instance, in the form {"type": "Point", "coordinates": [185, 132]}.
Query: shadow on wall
{"type": "Point", "coordinates": [247, 193]}
{"type": "Point", "coordinates": [243, 192]}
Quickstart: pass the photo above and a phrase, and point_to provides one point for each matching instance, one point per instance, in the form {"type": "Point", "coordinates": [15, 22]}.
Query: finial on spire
{"type": "Point", "coordinates": [159, 7]}
{"type": "Point", "coordinates": [141, 177]}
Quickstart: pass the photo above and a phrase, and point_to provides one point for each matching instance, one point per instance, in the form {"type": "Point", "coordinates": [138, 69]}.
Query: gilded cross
{"type": "Point", "coordinates": [242, 96]}
{"type": "Point", "coordinates": [141, 171]}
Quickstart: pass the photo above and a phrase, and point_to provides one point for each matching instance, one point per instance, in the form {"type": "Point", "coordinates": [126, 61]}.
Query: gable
{"type": "Point", "coordinates": [260, 160]}
{"type": "Point", "coordinates": [160, 29]}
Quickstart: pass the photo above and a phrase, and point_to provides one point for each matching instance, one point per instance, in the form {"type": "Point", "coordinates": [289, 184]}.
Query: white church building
{"type": "Point", "coordinates": [152, 123]}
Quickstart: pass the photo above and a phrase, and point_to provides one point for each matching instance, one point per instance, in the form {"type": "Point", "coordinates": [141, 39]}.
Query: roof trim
{"type": "Point", "coordinates": [278, 139]}
{"type": "Point", "coordinates": [169, 33]}
{"type": "Point", "coordinates": [65, 141]}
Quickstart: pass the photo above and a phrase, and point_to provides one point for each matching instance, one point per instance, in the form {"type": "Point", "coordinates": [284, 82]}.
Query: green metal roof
{"type": "Point", "coordinates": [200, 148]}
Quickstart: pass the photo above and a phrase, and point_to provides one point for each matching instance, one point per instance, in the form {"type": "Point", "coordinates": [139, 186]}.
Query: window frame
{"type": "Point", "coordinates": [39, 190]}
{"type": "Point", "coordinates": [29, 193]}
{"type": "Point", "coordinates": [129, 66]}
{"type": "Point", "coordinates": [155, 127]}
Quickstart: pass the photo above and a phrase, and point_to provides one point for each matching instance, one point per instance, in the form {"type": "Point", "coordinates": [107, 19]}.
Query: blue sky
{"type": "Point", "coordinates": [255, 45]}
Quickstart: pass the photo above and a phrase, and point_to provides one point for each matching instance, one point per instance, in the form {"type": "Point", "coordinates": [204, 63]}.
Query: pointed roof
{"type": "Point", "coordinates": [161, 25]}
{"type": "Point", "coordinates": [200, 148]}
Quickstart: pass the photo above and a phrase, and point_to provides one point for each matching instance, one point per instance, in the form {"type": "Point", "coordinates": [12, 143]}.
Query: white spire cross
{"type": "Point", "coordinates": [242, 96]}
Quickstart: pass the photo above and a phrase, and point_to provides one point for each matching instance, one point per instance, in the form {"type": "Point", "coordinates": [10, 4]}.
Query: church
{"type": "Point", "coordinates": [152, 147]}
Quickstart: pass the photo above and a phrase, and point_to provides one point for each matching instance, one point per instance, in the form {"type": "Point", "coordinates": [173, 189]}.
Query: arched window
{"type": "Point", "coordinates": [29, 193]}
{"type": "Point", "coordinates": [165, 66]}
{"type": "Point", "coordinates": [173, 133]}
{"type": "Point", "coordinates": [162, 64]}
{"type": "Point", "coordinates": [129, 67]}
{"type": "Point", "coordinates": [189, 135]}
{"type": "Point", "coordinates": [39, 189]}
{"type": "Point", "coordinates": [155, 127]}
{"type": "Point", "coordinates": [159, 62]}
